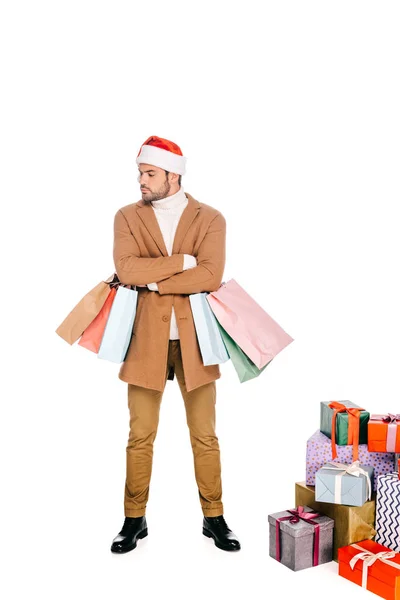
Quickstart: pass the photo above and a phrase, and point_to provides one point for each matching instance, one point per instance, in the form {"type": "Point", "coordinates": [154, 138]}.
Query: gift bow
{"type": "Point", "coordinates": [353, 469]}
{"type": "Point", "coordinates": [353, 432]}
{"type": "Point", "coordinates": [296, 515]}
{"type": "Point", "coordinates": [299, 513]}
{"type": "Point", "coordinates": [369, 558]}
{"type": "Point", "coordinates": [391, 420]}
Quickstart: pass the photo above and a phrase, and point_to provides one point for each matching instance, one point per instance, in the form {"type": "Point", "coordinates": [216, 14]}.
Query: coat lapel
{"type": "Point", "coordinates": [187, 217]}
{"type": "Point", "coordinates": [147, 215]}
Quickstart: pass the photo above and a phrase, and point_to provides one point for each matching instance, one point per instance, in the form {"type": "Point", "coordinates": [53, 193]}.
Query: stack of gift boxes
{"type": "Point", "coordinates": [348, 509]}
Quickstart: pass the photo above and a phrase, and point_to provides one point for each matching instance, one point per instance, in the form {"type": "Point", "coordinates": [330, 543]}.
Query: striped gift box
{"type": "Point", "coordinates": [388, 511]}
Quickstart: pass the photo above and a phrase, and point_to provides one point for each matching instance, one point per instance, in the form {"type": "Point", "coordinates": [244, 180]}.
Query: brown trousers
{"type": "Point", "coordinates": [144, 407]}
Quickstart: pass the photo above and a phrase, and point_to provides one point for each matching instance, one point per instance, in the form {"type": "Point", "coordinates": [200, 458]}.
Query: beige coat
{"type": "Point", "coordinates": [140, 257]}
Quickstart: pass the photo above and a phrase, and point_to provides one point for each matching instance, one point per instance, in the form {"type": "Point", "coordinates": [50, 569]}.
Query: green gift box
{"type": "Point", "coordinates": [342, 422]}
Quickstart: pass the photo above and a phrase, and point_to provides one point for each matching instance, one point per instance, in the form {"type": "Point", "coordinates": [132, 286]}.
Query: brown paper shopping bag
{"type": "Point", "coordinates": [85, 311]}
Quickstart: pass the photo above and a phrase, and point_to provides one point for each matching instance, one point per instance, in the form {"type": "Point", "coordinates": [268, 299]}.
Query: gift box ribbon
{"type": "Point", "coordinates": [296, 515]}
{"type": "Point", "coordinates": [353, 469]}
{"type": "Point", "coordinates": [392, 421]}
{"type": "Point", "coordinates": [369, 558]}
{"type": "Point", "coordinates": [353, 432]}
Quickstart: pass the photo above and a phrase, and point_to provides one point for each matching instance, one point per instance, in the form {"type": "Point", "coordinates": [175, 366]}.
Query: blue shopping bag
{"type": "Point", "coordinates": [212, 347]}
{"type": "Point", "coordinates": [118, 330]}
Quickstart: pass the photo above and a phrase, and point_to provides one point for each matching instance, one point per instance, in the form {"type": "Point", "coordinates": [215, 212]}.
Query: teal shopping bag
{"type": "Point", "coordinates": [244, 367]}
{"type": "Point", "coordinates": [212, 347]}
{"type": "Point", "coordinates": [119, 326]}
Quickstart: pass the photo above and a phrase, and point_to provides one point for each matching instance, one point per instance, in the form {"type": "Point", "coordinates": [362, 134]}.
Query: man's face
{"type": "Point", "coordinates": [154, 183]}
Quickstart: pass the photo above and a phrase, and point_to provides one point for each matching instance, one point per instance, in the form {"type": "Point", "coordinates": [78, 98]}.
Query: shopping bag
{"type": "Point", "coordinates": [253, 330]}
{"type": "Point", "coordinates": [92, 336]}
{"type": "Point", "coordinates": [118, 330]}
{"type": "Point", "coordinates": [85, 311]}
{"type": "Point", "coordinates": [244, 367]}
{"type": "Point", "coordinates": [212, 347]}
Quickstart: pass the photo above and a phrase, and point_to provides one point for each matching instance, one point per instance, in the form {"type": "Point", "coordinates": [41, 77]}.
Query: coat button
{"type": "Point", "coordinates": [165, 318]}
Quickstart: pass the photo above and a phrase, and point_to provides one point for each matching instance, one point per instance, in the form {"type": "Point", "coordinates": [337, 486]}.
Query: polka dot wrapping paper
{"type": "Point", "coordinates": [319, 452]}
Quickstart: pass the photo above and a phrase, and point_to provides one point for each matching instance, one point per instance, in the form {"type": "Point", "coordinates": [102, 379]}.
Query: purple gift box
{"type": "Point", "coordinates": [319, 452]}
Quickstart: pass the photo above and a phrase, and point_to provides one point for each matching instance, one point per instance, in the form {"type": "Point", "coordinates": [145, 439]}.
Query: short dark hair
{"type": "Point", "coordinates": [179, 179]}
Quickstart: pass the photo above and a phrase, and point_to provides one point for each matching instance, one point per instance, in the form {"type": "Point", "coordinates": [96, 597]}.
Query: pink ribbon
{"type": "Point", "coordinates": [298, 514]}
{"type": "Point", "coordinates": [391, 420]}
{"type": "Point", "coordinates": [369, 558]}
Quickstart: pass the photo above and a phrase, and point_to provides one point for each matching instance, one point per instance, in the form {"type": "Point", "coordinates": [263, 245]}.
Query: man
{"type": "Point", "coordinates": [169, 245]}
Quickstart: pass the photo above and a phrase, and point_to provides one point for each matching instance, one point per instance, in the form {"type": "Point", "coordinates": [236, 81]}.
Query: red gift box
{"type": "Point", "coordinates": [373, 567]}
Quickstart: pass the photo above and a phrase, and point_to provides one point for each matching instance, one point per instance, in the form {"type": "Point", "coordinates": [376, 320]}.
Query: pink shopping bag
{"type": "Point", "coordinates": [255, 332]}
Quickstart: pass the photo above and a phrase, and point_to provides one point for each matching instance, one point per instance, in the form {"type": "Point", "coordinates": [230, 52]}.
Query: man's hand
{"type": "Point", "coordinates": [189, 261]}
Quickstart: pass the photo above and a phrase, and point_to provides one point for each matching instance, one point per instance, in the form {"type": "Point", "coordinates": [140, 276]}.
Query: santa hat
{"type": "Point", "coordinates": [162, 153]}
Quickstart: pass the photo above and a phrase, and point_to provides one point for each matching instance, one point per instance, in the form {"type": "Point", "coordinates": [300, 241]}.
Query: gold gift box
{"type": "Point", "coordinates": [352, 523]}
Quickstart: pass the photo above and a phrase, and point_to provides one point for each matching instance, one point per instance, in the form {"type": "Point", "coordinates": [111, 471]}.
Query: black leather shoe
{"type": "Point", "coordinates": [217, 529]}
{"type": "Point", "coordinates": [134, 528]}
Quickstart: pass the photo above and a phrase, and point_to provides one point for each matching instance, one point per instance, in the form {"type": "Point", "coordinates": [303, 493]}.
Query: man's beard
{"type": "Point", "coordinates": [158, 195]}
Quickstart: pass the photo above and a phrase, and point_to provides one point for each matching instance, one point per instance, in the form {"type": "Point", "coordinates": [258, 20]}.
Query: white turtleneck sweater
{"type": "Point", "coordinates": [168, 212]}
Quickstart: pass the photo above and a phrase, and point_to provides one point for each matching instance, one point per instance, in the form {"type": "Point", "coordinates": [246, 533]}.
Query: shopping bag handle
{"type": "Point", "coordinates": [116, 282]}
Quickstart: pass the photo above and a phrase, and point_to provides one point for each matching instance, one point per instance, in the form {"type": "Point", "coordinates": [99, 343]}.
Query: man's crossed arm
{"type": "Point", "coordinates": [131, 268]}
{"type": "Point", "coordinates": [207, 275]}
{"type": "Point", "coordinates": [189, 262]}
{"type": "Point", "coordinates": [174, 274]}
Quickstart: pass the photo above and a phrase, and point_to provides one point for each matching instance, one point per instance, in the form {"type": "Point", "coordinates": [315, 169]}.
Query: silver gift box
{"type": "Point", "coordinates": [297, 540]}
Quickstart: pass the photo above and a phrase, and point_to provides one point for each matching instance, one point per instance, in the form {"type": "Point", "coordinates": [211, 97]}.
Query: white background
{"type": "Point", "coordinates": [288, 113]}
